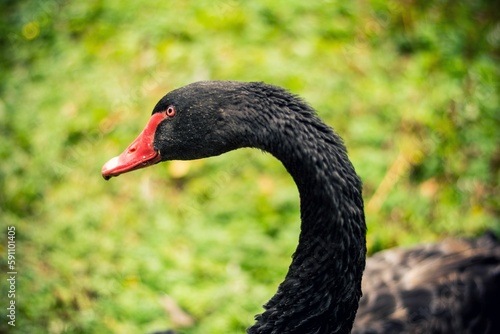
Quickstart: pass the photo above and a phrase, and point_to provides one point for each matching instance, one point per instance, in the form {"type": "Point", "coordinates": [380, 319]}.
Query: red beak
{"type": "Point", "coordinates": [139, 154]}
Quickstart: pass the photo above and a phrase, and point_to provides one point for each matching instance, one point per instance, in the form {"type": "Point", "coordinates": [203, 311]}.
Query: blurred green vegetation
{"type": "Point", "coordinates": [412, 86]}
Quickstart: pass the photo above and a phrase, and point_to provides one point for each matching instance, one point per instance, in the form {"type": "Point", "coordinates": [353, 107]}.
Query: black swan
{"type": "Point", "coordinates": [457, 290]}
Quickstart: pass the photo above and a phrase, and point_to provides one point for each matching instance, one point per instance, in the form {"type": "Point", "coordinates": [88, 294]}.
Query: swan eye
{"type": "Point", "coordinates": [170, 112]}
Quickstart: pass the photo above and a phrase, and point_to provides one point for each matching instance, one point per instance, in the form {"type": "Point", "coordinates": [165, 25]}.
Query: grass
{"type": "Point", "coordinates": [411, 87]}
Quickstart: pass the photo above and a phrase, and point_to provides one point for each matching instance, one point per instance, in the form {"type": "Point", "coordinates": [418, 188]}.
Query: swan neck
{"type": "Point", "coordinates": [322, 288]}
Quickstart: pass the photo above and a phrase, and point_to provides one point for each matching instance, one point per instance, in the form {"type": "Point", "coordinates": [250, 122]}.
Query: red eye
{"type": "Point", "coordinates": [170, 112]}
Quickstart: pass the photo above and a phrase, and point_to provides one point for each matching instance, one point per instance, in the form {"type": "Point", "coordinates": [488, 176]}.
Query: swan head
{"type": "Point", "coordinates": [196, 121]}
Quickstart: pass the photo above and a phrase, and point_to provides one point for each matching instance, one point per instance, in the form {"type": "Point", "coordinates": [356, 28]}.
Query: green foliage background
{"type": "Point", "coordinates": [412, 86]}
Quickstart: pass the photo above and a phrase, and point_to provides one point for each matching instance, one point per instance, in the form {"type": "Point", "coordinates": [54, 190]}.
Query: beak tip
{"type": "Point", "coordinates": [107, 169]}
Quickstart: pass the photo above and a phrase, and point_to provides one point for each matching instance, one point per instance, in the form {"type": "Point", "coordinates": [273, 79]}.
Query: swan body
{"type": "Point", "coordinates": [322, 289]}
{"type": "Point", "coordinates": [448, 287]}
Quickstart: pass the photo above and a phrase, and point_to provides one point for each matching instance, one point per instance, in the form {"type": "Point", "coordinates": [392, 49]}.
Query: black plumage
{"type": "Point", "coordinates": [449, 287]}
{"type": "Point", "coordinates": [322, 288]}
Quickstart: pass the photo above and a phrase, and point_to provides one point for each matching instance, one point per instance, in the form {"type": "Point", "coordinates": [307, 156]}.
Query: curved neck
{"type": "Point", "coordinates": [321, 291]}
